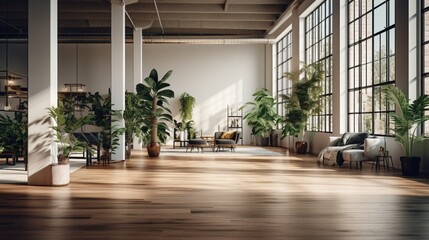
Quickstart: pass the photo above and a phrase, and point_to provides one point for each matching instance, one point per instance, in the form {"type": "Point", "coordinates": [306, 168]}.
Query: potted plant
{"type": "Point", "coordinates": [190, 129]}
{"type": "Point", "coordinates": [179, 130]}
{"type": "Point", "coordinates": [65, 124]}
{"type": "Point", "coordinates": [302, 102]}
{"type": "Point", "coordinates": [261, 114]}
{"type": "Point", "coordinates": [13, 136]}
{"type": "Point", "coordinates": [104, 118]}
{"type": "Point", "coordinates": [133, 117]}
{"type": "Point", "coordinates": [155, 93]}
{"type": "Point", "coordinates": [407, 120]}
{"type": "Point", "coordinates": [187, 104]}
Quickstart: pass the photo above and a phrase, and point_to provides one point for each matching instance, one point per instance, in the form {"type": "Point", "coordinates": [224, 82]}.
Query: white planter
{"type": "Point", "coordinates": [183, 136]}
{"type": "Point", "coordinates": [60, 174]}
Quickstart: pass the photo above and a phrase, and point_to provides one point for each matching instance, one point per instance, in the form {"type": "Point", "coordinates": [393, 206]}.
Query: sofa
{"type": "Point", "coordinates": [333, 154]}
{"type": "Point", "coordinates": [227, 139]}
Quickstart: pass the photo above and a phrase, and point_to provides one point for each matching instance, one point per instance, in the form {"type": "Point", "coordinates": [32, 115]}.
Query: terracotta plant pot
{"type": "Point", "coordinates": [153, 149]}
{"type": "Point", "coordinates": [301, 147]}
{"type": "Point", "coordinates": [410, 166]}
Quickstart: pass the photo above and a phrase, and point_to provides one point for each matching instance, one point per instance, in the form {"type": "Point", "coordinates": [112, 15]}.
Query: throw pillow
{"type": "Point", "coordinates": [227, 135]}
{"type": "Point", "coordinates": [357, 138]}
{"type": "Point", "coordinates": [344, 139]}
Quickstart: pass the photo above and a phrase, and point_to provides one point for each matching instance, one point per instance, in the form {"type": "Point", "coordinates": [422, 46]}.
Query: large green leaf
{"type": "Point", "coordinates": [166, 93]}
{"type": "Point", "coordinates": [166, 76]}
{"type": "Point", "coordinates": [151, 84]}
{"type": "Point", "coordinates": [154, 75]}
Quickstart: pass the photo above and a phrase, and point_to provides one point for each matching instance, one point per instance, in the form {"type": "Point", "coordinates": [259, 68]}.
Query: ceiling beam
{"type": "Point", "coordinates": [214, 25]}
{"type": "Point", "coordinates": [173, 8]}
{"type": "Point", "coordinates": [200, 25]}
{"type": "Point", "coordinates": [171, 16]}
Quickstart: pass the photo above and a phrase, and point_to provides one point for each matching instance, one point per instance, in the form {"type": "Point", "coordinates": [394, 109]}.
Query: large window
{"type": "Point", "coordinates": [318, 48]}
{"type": "Point", "coordinates": [425, 55]}
{"type": "Point", "coordinates": [371, 64]}
{"type": "Point", "coordinates": [284, 56]}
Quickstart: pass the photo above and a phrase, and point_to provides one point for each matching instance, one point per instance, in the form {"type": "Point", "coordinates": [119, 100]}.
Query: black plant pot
{"type": "Point", "coordinates": [410, 166]}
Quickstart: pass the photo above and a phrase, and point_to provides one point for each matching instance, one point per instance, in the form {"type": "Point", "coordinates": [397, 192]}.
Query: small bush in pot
{"type": "Point", "coordinates": [261, 114]}
{"type": "Point", "coordinates": [65, 124]}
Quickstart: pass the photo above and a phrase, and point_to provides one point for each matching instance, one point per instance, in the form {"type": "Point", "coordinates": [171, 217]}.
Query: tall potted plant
{"type": "Point", "coordinates": [261, 114]}
{"type": "Point", "coordinates": [155, 93]}
{"type": "Point", "coordinates": [407, 119]}
{"type": "Point", "coordinates": [133, 117]}
{"type": "Point", "coordinates": [302, 102]}
{"type": "Point", "coordinates": [104, 118]}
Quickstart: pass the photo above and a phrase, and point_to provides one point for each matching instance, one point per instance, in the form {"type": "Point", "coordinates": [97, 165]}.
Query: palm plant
{"type": "Point", "coordinates": [261, 114]}
{"type": "Point", "coordinates": [303, 100]}
{"type": "Point", "coordinates": [408, 117]}
{"type": "Point", "coordinates": [155, 95]}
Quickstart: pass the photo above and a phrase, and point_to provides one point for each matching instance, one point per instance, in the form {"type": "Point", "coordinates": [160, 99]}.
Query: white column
{"type": "Point", "coordinates": [118, 69]}
{"type": "Point", "coordinates": [138, 67]}
{"type": "Point", "coordinates": [42, 88]}
{"type": "Point", "coordinates": [339, 59]}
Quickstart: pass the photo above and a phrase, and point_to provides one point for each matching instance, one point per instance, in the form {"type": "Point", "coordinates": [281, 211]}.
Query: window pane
{"type": "Point", "coordinates": [380, 23]}
{"type": "Point", "coordinates": [284, 57]}
{"type": "Point", "coordinates": [318, 39]}
{"type": "Point", "coordinates": [373, 66]}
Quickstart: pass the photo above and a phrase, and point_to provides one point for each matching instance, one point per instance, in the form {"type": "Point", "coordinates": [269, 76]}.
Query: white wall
{"type": "Point", "coordinates": [216, 75]}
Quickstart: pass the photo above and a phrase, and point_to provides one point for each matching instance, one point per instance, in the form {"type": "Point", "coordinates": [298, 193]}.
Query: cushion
{"type": "Point", "coordinates": [197, 142]}
{"type": "Point", "coordinates": [225, 141]}
{"type": "Point", "coordinates": [354, 155]}
{"type": "Point", "coordinates": [357, 138]}
{"type": "Point", "coordinates": [343, 139]}
{"type": "Point", "coordinates": [228, 135]}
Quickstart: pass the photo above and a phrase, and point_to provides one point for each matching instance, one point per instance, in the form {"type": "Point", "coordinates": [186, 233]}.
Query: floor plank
{"type": "Point", "coordinates": [261, 194]}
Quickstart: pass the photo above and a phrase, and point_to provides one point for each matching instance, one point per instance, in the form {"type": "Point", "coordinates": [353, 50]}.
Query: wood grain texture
{"type": "Point", "coordinates": [224, 196]}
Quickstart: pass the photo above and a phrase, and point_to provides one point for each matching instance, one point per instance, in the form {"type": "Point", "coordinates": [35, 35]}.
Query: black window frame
{"type": "Point", "coordinates": [357, 67]}
{"type": "Point", "coordinates": [284, 59]}
{"type": "Point", "coordinates": [424, 73]}
{"type": "Point", "coordinates": [318, 29]}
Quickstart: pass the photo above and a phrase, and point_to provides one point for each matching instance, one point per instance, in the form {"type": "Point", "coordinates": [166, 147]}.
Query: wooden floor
{"type": "Point", "coordinates": [225, 196]}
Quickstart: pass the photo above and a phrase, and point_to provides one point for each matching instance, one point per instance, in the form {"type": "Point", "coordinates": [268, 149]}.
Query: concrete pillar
{"type": "Point", "coordinates": [118, 69]}
{"type": "Point", "coordinates": [42, 86]}
{"type": "Point", "coordinates": [138, 67]}
{"type": "Point", "coordinates": [339, 59]}
{"type": "Point", "coordinates": [402, 45]}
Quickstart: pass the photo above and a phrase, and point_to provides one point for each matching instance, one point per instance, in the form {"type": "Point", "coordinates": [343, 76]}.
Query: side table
{"type": "Point", "coordinates": [386, 159]}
